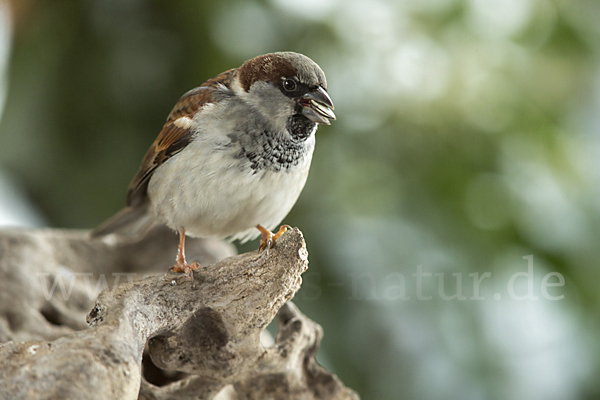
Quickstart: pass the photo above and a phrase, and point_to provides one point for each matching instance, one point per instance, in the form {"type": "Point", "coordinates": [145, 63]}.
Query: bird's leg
{"type": "Point", "coordinates": [181, 264]}
{"type": "Point", "coordinates": [268, 238]}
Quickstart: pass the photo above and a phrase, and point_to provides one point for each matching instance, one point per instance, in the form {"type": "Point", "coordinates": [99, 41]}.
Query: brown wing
{"type": "Point", "coordinates": [174, 136]}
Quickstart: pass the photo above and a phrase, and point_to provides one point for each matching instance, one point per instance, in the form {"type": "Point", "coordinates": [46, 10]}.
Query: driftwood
{"type": "Point", "coordinates": [154, 337]}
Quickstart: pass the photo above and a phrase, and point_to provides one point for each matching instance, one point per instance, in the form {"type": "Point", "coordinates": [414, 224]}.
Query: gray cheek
{"type": "Point", "coordinates": [273, 104]}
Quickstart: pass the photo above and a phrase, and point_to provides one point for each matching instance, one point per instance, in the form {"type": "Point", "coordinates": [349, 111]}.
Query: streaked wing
{"type": "Point", "coordinates": [175, 134]}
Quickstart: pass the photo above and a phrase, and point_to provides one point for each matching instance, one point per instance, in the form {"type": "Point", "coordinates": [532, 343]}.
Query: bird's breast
{"type": "Point", "coordinates": [218, 186]}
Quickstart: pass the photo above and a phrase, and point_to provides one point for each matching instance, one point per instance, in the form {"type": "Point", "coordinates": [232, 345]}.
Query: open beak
{"type": "Point", "coordinates": [317, 106]}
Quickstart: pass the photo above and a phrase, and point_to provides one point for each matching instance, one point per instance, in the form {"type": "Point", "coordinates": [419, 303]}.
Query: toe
{"type": "Point", "coordinates": [281, 231]}
{"type": "Point", "coordinates": [185, 268]}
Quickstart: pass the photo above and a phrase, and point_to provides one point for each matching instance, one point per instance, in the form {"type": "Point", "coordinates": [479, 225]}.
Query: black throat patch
{"type": "Point", "coordinates": [300, 127]}
{"type": "Point", "coordinates": [271, 152]}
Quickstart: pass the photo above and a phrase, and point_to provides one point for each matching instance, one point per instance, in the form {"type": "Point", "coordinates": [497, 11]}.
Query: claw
{"type": "Point", "coordinates": [268, 238]}
{"type": "Point", "coordinates": [186, 268]}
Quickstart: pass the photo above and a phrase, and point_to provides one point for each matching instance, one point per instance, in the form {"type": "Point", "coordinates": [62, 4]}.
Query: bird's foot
{"type": "Point", "coordinates": [269, 238]}
{"type": "Point", "coordinates": [185, 268]}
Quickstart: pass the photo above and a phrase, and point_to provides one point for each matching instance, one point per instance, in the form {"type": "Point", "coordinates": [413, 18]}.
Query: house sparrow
{"type": "Point", "coordinates": [233, 155]}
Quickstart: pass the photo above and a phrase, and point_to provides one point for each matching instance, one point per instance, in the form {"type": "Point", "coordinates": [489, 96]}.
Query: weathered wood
{"type": "Point", "coordinates": [210, 333]}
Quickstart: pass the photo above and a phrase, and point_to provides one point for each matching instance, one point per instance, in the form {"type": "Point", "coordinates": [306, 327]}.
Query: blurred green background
{"type": "Point", "coordinates": [468, 137]}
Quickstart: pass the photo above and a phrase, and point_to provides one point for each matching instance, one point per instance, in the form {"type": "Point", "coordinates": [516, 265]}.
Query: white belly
{"type": "Point", "coordinates": [210, 195]}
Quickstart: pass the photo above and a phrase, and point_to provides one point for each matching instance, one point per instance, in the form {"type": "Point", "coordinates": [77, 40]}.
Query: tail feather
{"type": "Point", "coordinates": [130, 221]}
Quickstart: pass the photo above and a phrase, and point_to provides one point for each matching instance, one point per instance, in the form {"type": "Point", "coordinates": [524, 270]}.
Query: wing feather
{"type": "Point", "coordinates": [175, 134]}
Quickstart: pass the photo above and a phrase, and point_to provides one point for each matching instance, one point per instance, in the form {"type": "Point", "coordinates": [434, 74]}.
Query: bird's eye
{"type": "Point", "coordinates": [289, 85]}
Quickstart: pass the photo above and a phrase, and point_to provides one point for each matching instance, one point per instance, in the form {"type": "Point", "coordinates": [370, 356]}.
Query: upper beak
{"type": "Point", "coordinates": [317, 106]}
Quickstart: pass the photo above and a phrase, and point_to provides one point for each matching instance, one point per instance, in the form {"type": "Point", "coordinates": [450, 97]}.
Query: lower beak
{"type": "Point", "coordinates": [317, 106]}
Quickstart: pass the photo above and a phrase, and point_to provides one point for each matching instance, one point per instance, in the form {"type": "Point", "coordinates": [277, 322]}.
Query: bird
{"type": "Point", "coordinates": [232, 157]}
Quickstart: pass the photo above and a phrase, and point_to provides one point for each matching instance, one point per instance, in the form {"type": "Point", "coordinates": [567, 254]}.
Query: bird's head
{"type": "Point", "coordinates": [287, 89]}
